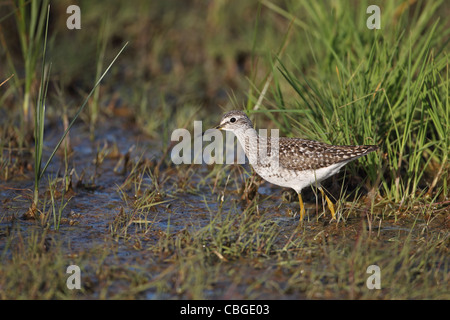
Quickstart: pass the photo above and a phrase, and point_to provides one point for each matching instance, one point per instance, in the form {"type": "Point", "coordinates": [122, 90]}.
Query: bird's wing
{"type": "Point", "coordinates": [301, 154]}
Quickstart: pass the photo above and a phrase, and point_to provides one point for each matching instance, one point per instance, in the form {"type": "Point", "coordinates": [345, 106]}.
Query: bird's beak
{"type": "Point", "coordinates": [216, 127]}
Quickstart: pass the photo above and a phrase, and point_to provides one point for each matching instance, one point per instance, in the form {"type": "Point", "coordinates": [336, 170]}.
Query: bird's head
{"type": "Point", "coordinates": [234, 120]}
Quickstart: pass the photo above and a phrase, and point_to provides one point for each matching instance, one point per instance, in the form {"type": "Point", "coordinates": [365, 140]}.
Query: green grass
{"type": "Point", "coordinates": [39, 122]}
{"type": "Point", "coordinates": [387, 87]}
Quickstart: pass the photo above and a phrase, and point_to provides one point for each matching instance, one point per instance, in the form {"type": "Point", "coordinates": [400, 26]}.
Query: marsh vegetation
{"type": "Point", "coordinates": [107, 197]}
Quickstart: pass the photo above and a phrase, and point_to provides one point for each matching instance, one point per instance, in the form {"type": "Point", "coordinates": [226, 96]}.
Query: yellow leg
{"type": "Point", "coordinates": [330, 204]}
{"type": "Point", "coordinates": [302, 207]}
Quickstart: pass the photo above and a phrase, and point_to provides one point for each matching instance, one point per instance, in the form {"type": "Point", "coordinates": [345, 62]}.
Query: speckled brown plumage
{"type": "Point", "coordinates": [302, 154]}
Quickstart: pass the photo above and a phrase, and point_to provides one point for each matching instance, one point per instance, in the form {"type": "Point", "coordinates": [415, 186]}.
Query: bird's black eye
{"type": "Point", "coordinates": [232, 120]}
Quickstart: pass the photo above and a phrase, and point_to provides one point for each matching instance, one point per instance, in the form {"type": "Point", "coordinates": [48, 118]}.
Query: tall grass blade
{"type": "Point", "coordinates": [81, 109]}
{"type": "Point", "coordinates": [39, 117]}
